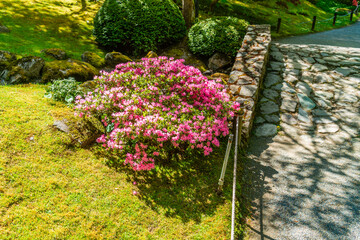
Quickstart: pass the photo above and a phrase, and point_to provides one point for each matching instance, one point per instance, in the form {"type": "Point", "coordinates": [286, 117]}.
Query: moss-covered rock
{"type": "Point", "coordinates": [151, 54]}
{"type": "Point", "coordinates": [88, 86]}
{"type": "Point", "coordinates": [114, 58]}
{"type": "Point", "coordinates": [56, 53]}
{"type": "Point", "coordinates": [184, 53]}
{"type": "Point", "coordinates": [61, 69]}
{"type": "Point", "coordinates": [82, 131]}
{"type": "Point", "coordinates": [6, 58]}
{"type": "Point", "coordinates": [93, 59]}
{"type": "Point", "coordinates": [24, 70]}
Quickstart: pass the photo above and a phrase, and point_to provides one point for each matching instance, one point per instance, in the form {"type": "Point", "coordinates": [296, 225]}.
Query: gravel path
{"type": "Point", "coordinates": [305, 152]}
{"type": "Point", "coordinates": [343, 37]}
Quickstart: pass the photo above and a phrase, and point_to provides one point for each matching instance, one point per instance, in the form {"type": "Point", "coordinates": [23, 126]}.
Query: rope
{"type": "Point", "coordinates": [234, 180]}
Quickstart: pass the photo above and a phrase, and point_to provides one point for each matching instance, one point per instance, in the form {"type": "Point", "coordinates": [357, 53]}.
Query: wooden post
{"type": "Point", "coordinates": [278, 25]}
{"type": "Point", "coordinates": [196, 8]}
{"type": "Point", "coordinates": [351, 15]}
{"type": "Point", "coordinates": [335, 15]}
{"type": "Point", "coordinates": [313, 23]}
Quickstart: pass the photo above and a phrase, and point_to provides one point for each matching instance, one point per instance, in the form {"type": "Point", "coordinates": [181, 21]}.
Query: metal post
{"type": "Point", "coordinates": [278, 25]}
{"type": "Point", "coordinates": [351, 15]}
{"type": "Point", "coordinates": [313, 23]}
{"type": "Point", "coordinates": [226, 158]}
{"type": "Point", "coordinates": [234, 180]}
{"type": "Point", "coordinates": [335, 15]}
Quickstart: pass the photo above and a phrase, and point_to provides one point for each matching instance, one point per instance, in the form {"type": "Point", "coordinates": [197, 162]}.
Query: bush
{"type": "Point", "coordinates": [64, 90]}
{"type": "Point", "coordinates": [138, 25]}
{"type": "Point", "coordinates": [156, 107]}
{"type": "Point", "coordinates": [217, 34]}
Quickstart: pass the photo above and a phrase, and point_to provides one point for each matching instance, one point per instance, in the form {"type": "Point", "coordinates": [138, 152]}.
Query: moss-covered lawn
{"type": "Point", "coordinates": [50, 189]}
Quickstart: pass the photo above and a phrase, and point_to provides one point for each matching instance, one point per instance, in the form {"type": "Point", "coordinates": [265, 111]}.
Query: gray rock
{"type": "Point", "coordinates": [295, 72]}
{"type": "Point", "coordinates": [271, 79]}
{"type": "Point", "coordinates": [269, 107]}
{"type": "Point", "coordinates": [306, 102]}
{"type": "Point", "coordinates": [219, 61]}
{"type": "Point", "coordinates": [288, 118]}
{"type": "Point", "coordinates": [62, 125]}
{"type": "Point", "coordinates": [288, 88]}
{"type": "Point", "coordinates": [318, 68]}
{"type": "Point", "coordinates": [234, 89]}
{"type": "Point", "coordinates": [278, 56]}
{"type": "Point", "coordinates": [344, 71]}
{"type": "Point", "coordinates": [328, 128]}
{"type": "Point", "coordinates": [320, 112]}
{"type": "Point", "coordinates": [259, 120]}
{"type": "Point", "coordinates": [325, 95]}
{"type": "Point", "coordinates": [248, 90]}
{"type": "Point", "coordinates": [332, 59]}
{"type": "Point", "coordinates": [308, 77]}
{"type": "Point", "coordinates": [272, 118]}
{"type": "Point", "coordinates": [319, 60]}
{"type": "Point", "coordinates": [288, 105]}
{"type": "Point", "coordinates": [25, 70]}
{"type": "Point", "coordinates": [309, 60]}
{"type": "Point", "coordinates": [323, 103]}
{"type": "Point", "coordinates": [303, 116]}
{"type": "Point", "coordinates": [349, 63]}
{"type": "Point", "coordinates": [323, 78]}
{"type": "Point", "coordinates": [277, 87]}
{"type": "Point", "coordinates": [271, 94]}
{"type": "Point", "coordinates": [325, 119]}
{"type": "Point", "coordinates": [277, 66]}
{"type": "Point", "coordinates": [266, 130]}
{"type": "Point", "coordinates": [290, 78]}
{"type": "Point", "coordinates": [304, 88]}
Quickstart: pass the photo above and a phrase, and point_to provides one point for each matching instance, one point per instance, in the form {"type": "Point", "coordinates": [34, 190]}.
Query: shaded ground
{"type": "Point", "coordinates": [306, 177]}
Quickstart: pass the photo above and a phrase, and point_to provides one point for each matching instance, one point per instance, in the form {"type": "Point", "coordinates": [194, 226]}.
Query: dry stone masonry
{"type": "Point", "coordinates": [313, 89]}
{"type": "Point", "coordinates": [248, 72]}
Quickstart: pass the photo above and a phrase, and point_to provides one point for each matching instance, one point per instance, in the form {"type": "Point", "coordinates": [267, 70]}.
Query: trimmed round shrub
{"type": "Point", "coordinates": [138, 26]}
{"type": "Point", "coordinates": [217, 34]}
{"type": "Point", "coordinates": [158, 107]}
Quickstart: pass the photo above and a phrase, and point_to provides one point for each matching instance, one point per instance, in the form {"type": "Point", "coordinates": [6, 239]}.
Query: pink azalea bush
{"type": "Point", "coordinates": [158, 105]}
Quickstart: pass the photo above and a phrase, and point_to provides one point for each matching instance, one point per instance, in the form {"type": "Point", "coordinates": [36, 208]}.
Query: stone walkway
{"type": "Point", "coordinates": [305, 152]}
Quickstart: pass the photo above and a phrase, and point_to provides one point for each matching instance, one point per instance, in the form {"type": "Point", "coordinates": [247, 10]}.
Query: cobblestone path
{"type": "Point", "coordinates": [305, 150]}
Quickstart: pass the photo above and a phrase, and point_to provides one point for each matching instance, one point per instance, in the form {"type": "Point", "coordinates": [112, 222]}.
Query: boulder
{"type": "Point", "coordinates": [24, 70]}
{"type": "Point", "coordinates": [219, 61]}
{"type": "Point", "coordinates": [93, 59]}
{"type": "Point", "coordinates": [114, 58]}
{"type": "Point", "coordinates": [151, 54]}
{"type": "Point", "coordinates": [223, 76]}
{"type": "Point", "coordinates": [82, 131]}
{"type": "Point", "coordinates": [4, 29]}
{"type": "Point", "coordinates": [6, 58]}
{"type": "Point", "coordinates": [55, 53]}
{"type": "Point", "coordinates": [183, 53]}
{"type": "Point", "coordinates": [61, 69]}
{"type": "Point", "coordinates": [88, 86]}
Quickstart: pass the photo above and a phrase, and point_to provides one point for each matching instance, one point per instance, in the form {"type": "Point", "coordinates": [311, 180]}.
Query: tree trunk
{"type": "Point", "coordinates": [188, 12]}
{"type": "Point", "coordinates": [83, 4]}
{"type": "Point", "coordinates": [212, 5]}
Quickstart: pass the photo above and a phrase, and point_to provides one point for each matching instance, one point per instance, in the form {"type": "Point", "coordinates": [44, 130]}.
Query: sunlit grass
{"type": "Point", "coordinates": [50, 189]}
{"type": "Point", "coordinates": [37, 25]}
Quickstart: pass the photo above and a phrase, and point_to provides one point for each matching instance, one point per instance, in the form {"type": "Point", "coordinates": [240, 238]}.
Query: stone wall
{"type": "Point", "coordinates": [248, 73]}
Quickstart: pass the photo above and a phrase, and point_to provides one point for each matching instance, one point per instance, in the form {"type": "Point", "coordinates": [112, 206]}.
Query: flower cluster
{"type": "Point", "coordinates": [158, 105]}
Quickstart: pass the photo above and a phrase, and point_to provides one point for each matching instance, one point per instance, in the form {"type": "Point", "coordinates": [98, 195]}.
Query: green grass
{"type": "Point", "coordinates": [37, 25]}
{"type": "Point", "coordinates": [50, 189]}
{"type": "Point", "coordinates": [296, 19]}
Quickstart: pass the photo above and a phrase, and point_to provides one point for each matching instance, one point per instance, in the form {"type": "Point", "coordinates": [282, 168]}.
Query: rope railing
{"type": "Point", "coordinates": [314, 21]}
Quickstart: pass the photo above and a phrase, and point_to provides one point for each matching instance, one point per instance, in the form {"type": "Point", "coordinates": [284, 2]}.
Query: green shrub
{"type": "Point", "coordinates": [64, 90]}
{"type": "Point", "coordinates": [138, 26]}
{"type": "Point", "coordinates": [217, 34]}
